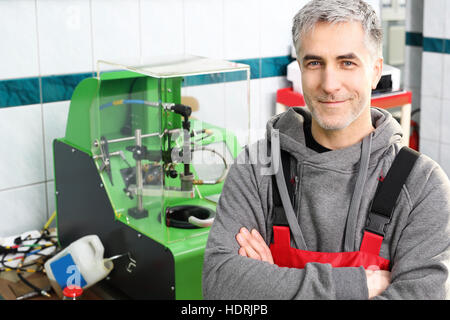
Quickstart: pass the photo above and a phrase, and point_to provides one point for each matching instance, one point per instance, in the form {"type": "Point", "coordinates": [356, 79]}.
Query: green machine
{"type": "Point", "coordinates": [137, 168]}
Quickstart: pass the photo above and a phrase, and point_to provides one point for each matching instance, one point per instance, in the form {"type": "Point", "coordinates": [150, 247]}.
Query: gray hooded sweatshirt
{"type": "Point", "coordinates": [333, 192]}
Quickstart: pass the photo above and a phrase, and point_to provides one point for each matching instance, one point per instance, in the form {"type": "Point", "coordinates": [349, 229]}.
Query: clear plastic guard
{"type": "Point", "coordinates": [126, 145]}
{"type": "Point", "coordinates": [164, 169]}
{"type": "Point", "coordinates": [174, 66]}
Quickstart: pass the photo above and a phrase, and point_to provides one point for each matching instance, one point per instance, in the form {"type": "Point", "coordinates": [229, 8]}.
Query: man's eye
{"type": "Point", "coordinates": [348, 63]}
{"type": "Point", "coordinates": [313, 63]}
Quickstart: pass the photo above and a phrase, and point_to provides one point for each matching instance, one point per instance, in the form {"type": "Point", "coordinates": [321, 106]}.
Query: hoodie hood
{"type": "Point", "coordinates": [292, 139]}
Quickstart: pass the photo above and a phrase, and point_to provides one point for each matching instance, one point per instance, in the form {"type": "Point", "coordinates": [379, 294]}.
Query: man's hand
{"type": "Point", "coordinates": [253, 245]}
{"type": "Point", "coordinates": [377, 281]}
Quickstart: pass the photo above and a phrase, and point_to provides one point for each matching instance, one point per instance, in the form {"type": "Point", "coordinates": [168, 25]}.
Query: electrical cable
{"type": "Point", "coordinates": [47, 224]}
{"type": "Point", "coordinates": [21, 265]}
{"type": "Point", "coordinates": [224, 171]}
{"type": "Point", "coordinates": [32, 286]}
{"type": "Point", "coordinates": [134, 101]}
{"type": "Point", "coordinates": [44, 232]}
{"type": "Point", "coordinates": [7, 267]}
{"type": "Point", "coordinates": [34, 248]}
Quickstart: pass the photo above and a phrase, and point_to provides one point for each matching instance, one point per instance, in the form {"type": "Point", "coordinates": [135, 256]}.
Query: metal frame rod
{"type": "Point", "coordinates": [139, 180]}
{"type": "Point", "coordinates": [143, 136]}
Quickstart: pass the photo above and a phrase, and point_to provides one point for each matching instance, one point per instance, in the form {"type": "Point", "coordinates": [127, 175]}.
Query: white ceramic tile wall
{"type": "Point", "coordinates": [430, 148]}
{"type": "Point", "coordinates": [22, 148]}
{"type": "Point", "coordinates": [65, 44]}
{"type": "Point", "coordinates": [162, 27]}
{"type": "Point", "coordinates": [432, 74]}
{"type": "Point", "coordinates": [447, 20]}
{"type": "Point", "coordinates": [23, 209]}
{"type": "Point", "coordinates": [434, 18]}
{"type": "Point", "coordinates": [445, 157]}
{"type": "Point", "coordinates": [430, 117]}
{"type": "Point", "coordinates": [116, 30]}
{"type": "Point", "coordinates": [276, 35]}
{"type": "Point", "coordinates": [204, 28]}
{"type": "Point", "coordinates": [55, 118]}
{"type": "Point", "coordinates": [445, 122]}
{"type": "Point", "coordinates": [19, 53]}
{"type": "Point", "coordinates": [241, 29]}
{"type": "Point", "coordinates": [446, 76]}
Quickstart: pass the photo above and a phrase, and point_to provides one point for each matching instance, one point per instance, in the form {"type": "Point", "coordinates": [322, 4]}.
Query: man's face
{"type": "Point", "coordinates": [338, 73]}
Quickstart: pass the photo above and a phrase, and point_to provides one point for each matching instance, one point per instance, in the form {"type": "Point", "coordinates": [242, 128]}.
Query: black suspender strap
{"type": "Point", "coordinates": [286, 162]}
{"type": "Point", "coordinates": [388, 190]}
{"type": "Point", "coordinates": [279, 214]}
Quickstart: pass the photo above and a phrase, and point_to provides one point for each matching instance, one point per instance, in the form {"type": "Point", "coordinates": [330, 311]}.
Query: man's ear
{"type": "Point", "coordinates": [377, 71]}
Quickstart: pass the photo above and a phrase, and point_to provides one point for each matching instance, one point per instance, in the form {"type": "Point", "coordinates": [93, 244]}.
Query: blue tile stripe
{"type": "Point", "coordinates": [275, 67]}
{"type": "Point", "coordinates": [267, 67]}
{"type": "Point", "coordinates": [434, 45]}
{"type": "Point", "coordinates": [414, 39]}
{"type": "Point", "coordinates": [18, 92]}
{"type": "Point", "coordinates": [60, 88]}
{"type": "Point", "coordinates": [25, 91]}
{"type": "Point", "coordinates": [429, 44]}
{"type": "Point", "coordinates": [259, 68]}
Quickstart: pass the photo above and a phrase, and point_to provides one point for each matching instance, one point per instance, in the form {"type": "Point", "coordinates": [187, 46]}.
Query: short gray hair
{"type": "Point", "coordinates": [336, 11]}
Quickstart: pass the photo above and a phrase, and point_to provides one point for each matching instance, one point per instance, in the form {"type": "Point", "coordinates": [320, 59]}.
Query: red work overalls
{"type": "Point", "coordinates": [380, 215]}
{"type": "Point", "coordinates": [368, 255]}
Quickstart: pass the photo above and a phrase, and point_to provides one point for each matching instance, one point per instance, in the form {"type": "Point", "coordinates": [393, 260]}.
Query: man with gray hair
{"type": "Point", "coordinates": [316, 227]}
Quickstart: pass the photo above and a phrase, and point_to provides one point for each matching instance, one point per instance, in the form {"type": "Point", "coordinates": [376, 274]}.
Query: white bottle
{"type": "Point", "coordinates": [81, 263]}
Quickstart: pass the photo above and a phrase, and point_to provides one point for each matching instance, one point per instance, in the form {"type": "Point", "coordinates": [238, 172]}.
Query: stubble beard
{"type": "Point", "coordinates": [339, 124]}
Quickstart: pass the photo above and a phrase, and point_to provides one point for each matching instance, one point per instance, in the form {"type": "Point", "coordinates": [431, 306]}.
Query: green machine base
{"type": "Point", "coordinates": [149, 270]}
{"type": "Point", "coordinates": [96, 192]}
